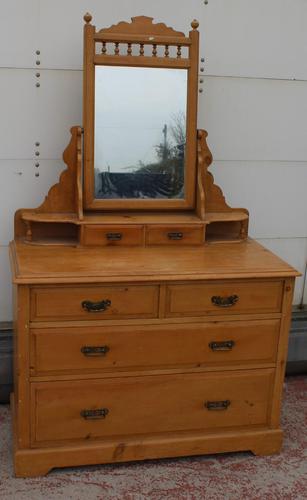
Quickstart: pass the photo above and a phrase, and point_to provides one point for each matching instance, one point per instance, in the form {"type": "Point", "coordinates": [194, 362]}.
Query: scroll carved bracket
{"type": "Point", "coordinates": [65, 195]}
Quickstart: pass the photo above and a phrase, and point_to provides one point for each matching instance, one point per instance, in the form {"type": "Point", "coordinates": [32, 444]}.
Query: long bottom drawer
{"type": "Point", "coordinates": [91, 409]}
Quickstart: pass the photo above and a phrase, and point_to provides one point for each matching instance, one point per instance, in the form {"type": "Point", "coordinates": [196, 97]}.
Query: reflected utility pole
{"type": "Point", "coordinates": [165, 142]}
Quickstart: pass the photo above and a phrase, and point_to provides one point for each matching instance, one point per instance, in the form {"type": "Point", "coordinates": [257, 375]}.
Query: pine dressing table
{"type": "Point", "coordinates": [147, 323]}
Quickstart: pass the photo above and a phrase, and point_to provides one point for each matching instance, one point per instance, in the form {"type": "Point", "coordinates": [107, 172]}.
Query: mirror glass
{"type": "Point", "coordinates": [140, 132]}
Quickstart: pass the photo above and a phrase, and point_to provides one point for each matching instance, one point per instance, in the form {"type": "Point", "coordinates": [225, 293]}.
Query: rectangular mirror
{"type": "Point", "coordinates": [140, 117]}
{"type": "Point", "coordinates": [140, 132]}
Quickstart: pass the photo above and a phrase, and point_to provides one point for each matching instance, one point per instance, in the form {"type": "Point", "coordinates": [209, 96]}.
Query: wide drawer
{"type": "Point", "coordinates": [89, 409]}
{"type": "Point", "coordinates": [73, 350]}
{"type": "Point", "coordinates": [113, 235]}
{"type": "Point", "coordinates": [94, 302]}
{"type": "Point", "coordinates": [174, 235]}
{"type": "Point", "coordinates": [228, 297]}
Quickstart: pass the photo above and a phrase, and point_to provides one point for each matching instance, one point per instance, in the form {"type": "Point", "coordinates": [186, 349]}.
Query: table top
{"type": "Point", "coordinates": [35, 264]}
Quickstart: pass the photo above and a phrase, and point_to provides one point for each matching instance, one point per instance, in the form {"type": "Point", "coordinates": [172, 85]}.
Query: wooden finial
{"type": "Point", "coordinates": [87, 17]}
{"type": "Point", "coordinates": [194, 24]}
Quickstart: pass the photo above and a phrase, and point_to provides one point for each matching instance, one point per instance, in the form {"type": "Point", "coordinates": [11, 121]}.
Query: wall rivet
{"type": "Point", "coordinates": [38, 84]}
{"type": "Point", "coordinates": [37, 143]}
{"type": "Point", "coordinates": [202, 59]}
{"type": "Point", "coordinates": [37, 75]}
{"type": "Point", "coordinates": [201, 80]}
{"type": "Point", "coordinates": [36, 174]}
{"type": "Point", "coordinates": [37, 165]}
{"type": "Point", "coordinates": [200, 90]}
{"type": "Point", "coordinates": [206, 2]}
{"type": "Point", "coordinates": [38, 52]}
{"type": "Point", "coordinates": [38, 63]}
{"type": "Point", "coordinates": [36, 153]}
{"type": "Point", "coordinates": [202, 69]}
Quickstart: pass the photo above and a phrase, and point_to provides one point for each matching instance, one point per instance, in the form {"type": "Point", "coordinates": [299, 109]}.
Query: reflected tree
{"type": "Point", "coordinates": [163, 178]}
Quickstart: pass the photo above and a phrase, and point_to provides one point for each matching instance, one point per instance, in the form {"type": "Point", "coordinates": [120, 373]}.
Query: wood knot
{"type": "Point", "coordinates": [288, 288]}
{"type": "Point", "coordinates": [194, 24]}
{"type": "Point", "coordinates": [87, 17]}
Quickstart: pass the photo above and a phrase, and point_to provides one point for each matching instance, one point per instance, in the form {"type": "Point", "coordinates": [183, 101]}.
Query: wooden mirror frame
{"type": "Point", "coordinates": [141, 31]}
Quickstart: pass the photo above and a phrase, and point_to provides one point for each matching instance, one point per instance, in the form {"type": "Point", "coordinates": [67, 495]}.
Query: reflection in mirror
{"type": "Point", "coordinates": [140, 132]}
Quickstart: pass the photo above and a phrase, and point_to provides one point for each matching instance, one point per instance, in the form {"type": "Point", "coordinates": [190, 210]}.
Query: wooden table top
{"type": "Point", "coordinates": [33, 264]}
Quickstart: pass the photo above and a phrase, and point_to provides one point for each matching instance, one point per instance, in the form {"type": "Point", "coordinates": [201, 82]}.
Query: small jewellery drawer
{"type": "Point", "coordinates": [112, 235]}
{"type": "Point", "coordinates": [228, 297]}
{"type": "Point", "coordinates": [175, 235]}
{"type": "Point", "coordinates": [91, 409]}
{"type": "Point", "coordinates": [94, 302]}
{"type": "Point", "coordinates": [80, 350]}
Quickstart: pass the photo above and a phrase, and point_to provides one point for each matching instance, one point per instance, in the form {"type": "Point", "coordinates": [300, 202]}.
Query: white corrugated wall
{"type": "Point", "coordinates": [253, 104]}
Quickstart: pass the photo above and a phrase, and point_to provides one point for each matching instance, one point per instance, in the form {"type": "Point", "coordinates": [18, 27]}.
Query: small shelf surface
{"type": "Point", "coordinates": [134, 217]}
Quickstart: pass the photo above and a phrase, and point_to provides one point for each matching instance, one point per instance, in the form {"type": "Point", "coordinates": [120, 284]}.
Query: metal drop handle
{"type": "Point", "coordinates": [219, 301]}
{"type": "Point", "coordinates": [98, 414]}
{"type": "Point", "coordinates": [175, 236]}
{"type": "Point", "coordinates": [217, 405]}
{"type": "Point", "coordinates": [100, 306]}
{"type": "Point", "coordinates": [95, 351]}
{"type": "Point", "coordinates": [114, 236]}
{"type": "Point", "coordinates": [225, 345]}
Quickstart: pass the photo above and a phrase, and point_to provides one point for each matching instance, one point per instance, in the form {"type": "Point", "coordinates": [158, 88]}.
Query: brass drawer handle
{"type": "Point", "coordinates": [225, 345]}
{"type": "Point", "coordinates": [96, 306]}
{"type": "Point", "coordinates": [175, 236]}
{"type": "Point", "coordinates": [94, 414]}
{"type": "Point", "coordinates": [219, 301]}
{"type": "Point", "coordinates": [95, 351]}
{"type": "Point", "coordinates": [217, 405]}
{"type": "Point", "coordinates": [114, 236]}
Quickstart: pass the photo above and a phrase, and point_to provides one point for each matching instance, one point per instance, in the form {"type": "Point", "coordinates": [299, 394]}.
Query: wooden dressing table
{"type": "Point", "coordinates": [147, 323]}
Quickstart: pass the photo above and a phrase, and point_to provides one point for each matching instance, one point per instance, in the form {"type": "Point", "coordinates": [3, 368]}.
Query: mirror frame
{"type": "Point", "coordinates": [141, 31]}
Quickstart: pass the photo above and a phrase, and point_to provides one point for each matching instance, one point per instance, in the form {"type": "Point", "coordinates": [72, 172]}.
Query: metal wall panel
{"type": "Point", "coordinates": [250, 119]}
{"type": "Point", "coordinates": [65, 49]}
{"type": "Point", "coordinates": [19, 113]}
{"type": "Point", "coordinates": [6, 287]}
{"type": "Point", "coordinates": [273, 192]}
{"type": "Point", "coordinates": [293, 251]}
{"type": "Point", "coordinates": [257, 127]}
{"type": "Point", "coordinates": [304, 298]}
{"type": "Point", "coordinates": [23, 189]}
{"type": "Point", "coordinates": [19, 33]}
{"type": "Point", "coordinates": [60, 107]}
{"type": "Point", "coordinates": [258, 38]}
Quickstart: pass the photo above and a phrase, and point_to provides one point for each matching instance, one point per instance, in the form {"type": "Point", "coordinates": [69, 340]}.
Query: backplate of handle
{"type": "Point", "coordinates": [100, 306]}
{"type": "Point", "coordinates": [229, 301]}
{"type": "Point", "coordinates": [217, 405]}
{"type": "Point", "coordinates": [114, 236]}
{"type": "Point", "coordinates": [225, 345]}
{"type": "Point", "coordinates": [175, 236]}
{"type": "Point", "coordinates": [95, 351]}
{"type": "Point", "coordinates": [98, 414]}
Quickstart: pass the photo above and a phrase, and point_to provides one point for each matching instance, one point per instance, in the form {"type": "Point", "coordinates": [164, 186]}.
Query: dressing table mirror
{"type": "Point", "coordinates": [147, 323]}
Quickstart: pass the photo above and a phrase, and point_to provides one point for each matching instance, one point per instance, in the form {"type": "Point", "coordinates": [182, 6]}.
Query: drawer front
{"type": "Point", "coordinates": [89, 409]}
{"type": "Point", "coordinates": [174, 235]}
{"type": "Point", "coordinates": [113, 235]}
{"type": "Point", "coordinates": [94, 302]}
{"type": "Point", "coordinates": [73, 350]}
{"type": "Point", "coordinates": [224, 298]}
